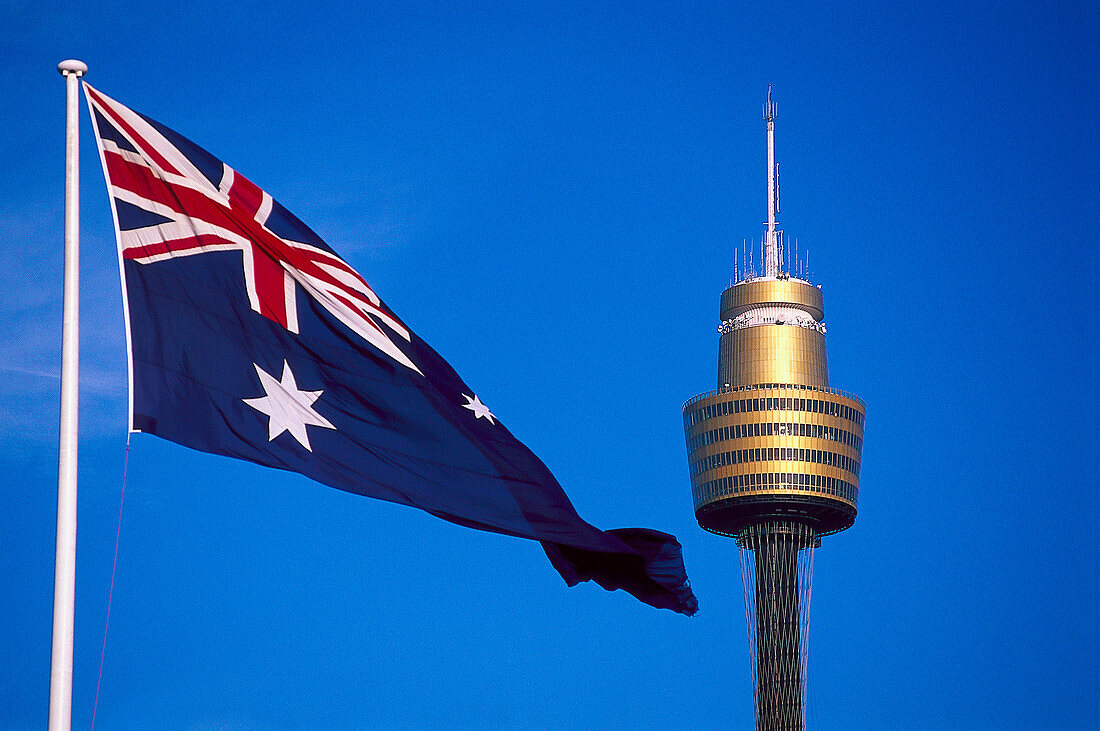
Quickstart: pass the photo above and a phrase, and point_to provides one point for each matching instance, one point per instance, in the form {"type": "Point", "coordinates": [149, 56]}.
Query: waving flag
{"type": "Point", "coordinates": [249, 337]}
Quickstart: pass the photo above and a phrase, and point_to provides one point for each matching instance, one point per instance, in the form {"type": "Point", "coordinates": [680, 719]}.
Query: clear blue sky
{"type": "Point", "coordinates": [551, 197]}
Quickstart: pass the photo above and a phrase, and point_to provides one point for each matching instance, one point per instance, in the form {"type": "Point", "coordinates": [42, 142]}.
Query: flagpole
{"type": "Point", "coordinates": [64, 578]}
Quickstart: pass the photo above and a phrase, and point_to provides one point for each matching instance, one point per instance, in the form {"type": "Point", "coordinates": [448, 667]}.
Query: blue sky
{"type": "Point", "coordinates": [551, 196]}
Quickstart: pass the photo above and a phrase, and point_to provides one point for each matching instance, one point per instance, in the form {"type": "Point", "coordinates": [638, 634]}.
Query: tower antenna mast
{"type": "Point", "coordinates": [771, 242]}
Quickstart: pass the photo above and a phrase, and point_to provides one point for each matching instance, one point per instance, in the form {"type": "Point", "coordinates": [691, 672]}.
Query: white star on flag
{"type": "Point", "coordinates": [480, 410]}
{"type": "Point", "coordinates": [287, 408]}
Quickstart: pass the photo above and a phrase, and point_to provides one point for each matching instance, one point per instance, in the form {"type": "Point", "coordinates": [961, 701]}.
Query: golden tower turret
{"type": "Point", "coordinates": [774, 456]}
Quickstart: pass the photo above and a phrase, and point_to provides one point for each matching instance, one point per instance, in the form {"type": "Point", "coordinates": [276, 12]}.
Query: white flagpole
{"type": "Point", "coordinates": [64, 578]}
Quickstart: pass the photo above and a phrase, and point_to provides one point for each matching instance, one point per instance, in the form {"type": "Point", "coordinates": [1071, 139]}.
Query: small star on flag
{"type": "Point", "coordinates": [480, 410]}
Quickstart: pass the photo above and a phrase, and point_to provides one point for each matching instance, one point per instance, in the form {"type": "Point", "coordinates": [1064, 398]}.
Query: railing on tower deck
{"type": "Point", "coordinates": [775, 386]}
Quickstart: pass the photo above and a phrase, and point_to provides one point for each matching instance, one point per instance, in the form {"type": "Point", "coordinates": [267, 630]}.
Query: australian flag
{"type": "Point", "coordinates": [249, 337]}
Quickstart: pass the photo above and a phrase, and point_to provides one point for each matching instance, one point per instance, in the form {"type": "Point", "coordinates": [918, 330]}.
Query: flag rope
{"type": "Point", "coordinates": [111, 590]}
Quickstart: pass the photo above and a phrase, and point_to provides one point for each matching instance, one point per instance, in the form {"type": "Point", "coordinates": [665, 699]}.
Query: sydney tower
{"type": "Point", "coordinates": [774, 455]}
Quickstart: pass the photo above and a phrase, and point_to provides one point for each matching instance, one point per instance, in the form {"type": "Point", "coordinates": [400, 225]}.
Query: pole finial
{"type": "Point", "coordinates": [72, 66]}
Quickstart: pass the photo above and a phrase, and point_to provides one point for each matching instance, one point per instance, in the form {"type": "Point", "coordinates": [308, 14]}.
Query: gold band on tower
{"type": "Point", "coordinates": [750, 355]}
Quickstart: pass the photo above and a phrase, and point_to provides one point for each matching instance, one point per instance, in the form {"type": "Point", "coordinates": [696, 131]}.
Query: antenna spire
{"type": "Point", "coordinates": [771, 245]}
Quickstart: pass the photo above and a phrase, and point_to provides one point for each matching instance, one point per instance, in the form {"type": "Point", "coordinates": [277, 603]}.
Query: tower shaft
{"type": "Point", "coordinates": [780, 572]}
{"type": "Point", "coordinates": [778, 656]}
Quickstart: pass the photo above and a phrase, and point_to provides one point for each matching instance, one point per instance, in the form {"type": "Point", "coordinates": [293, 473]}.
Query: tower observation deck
{"type": "Point", "coordinates": [774, 457]}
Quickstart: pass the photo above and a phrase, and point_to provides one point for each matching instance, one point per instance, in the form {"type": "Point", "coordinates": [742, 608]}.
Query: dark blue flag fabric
{"type": "Point", "coordinates": [249, 337]}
